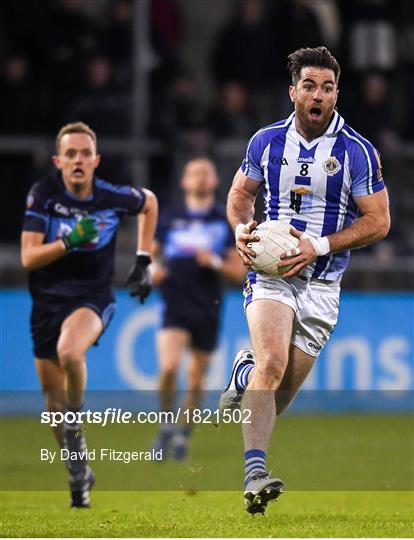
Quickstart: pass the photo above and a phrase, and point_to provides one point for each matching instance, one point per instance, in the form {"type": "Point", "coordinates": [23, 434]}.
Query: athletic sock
{"type": "Point", "coordinates": [76, 442]}
{"type": "Point", "coordinates": [166, 428]}
{"type": "Point", "coordinates": [180, 442]}
{"type": "Point", "coordinates": [255, 463]}
{"type": "Point", "coordinates": [185, 430]}
{"type": "Point", "coordinates": [242, 375]}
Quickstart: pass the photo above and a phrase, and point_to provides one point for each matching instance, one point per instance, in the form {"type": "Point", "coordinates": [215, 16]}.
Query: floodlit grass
{"type": "Point", "coordinates": [208, 514]}
{"type": "Point", "coordinates": [321, 459]}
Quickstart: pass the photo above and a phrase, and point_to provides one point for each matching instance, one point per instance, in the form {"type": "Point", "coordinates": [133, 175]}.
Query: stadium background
{"type": "Point", "coordinates": [161, 80]}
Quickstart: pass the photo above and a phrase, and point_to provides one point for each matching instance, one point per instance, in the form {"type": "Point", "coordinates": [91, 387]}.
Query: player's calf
{"type": "Point", "coordinates": [162, 442]}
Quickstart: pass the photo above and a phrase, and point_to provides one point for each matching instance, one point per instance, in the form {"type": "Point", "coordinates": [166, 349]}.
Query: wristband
{"type": "Point", "coordinates": [66, 243]}
{"type": "Point", "coordinates": [321, 244]}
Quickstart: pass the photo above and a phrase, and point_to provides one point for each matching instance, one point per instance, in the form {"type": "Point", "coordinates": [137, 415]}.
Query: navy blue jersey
{"type": "Point", "coordinates": [189, 287]}
{"type": "Point", "coordinates": [54, 211]}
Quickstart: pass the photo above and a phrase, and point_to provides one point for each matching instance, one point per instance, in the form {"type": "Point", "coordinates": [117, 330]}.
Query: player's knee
{"type": "Point", "coordinates": [168, 371]}
{"type": "Point", "coordinates": [270, 370]}
{"type": "Point", "coordinates": [70, 356]}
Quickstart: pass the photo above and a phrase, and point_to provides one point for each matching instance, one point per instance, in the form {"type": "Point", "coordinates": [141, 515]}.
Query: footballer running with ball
{"type": "Point", "coordinates": [324, 179]}
{"type": "Point", "coordinates": [68, 247]}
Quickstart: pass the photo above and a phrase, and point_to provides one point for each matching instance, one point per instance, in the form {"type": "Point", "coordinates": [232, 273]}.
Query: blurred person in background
{"type": "Point", "coordinates": [20, 112]}
{"type": "Point", "coordinates": [71, 37]}
{"type": "Point", "coordinates": [178, 117]}
{"type": "Point", "coordinates": [373, 104]}
{"type": "Point", "coordinates": [68, 247]}
{"type": "Point", "coordinates": [118, 40]}
{"type": "Point", "coordinates": [166, 32]}
{"type": "Point", "coordinates": [371, 38]}
{"type": "Point", "coordinates": [244, 52]}
{"type": "Point", "coordinates": [293, 23]}
{"type": "Point", "coordinates": [101, 104]}
{"type": "Point", "coordinates": [105, 106]}
{"type": "Point", "coordinates": [185, 113]}
{"type": "Point", "coordinates": [193, 252]}
{"type": "Point", "coordinates": [231, 115]}
{"type": "Point", "coordinates": [405, 84]}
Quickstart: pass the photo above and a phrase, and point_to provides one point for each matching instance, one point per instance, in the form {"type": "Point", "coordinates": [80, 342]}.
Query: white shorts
{"type": "Point", "coordinates": [316, 306]}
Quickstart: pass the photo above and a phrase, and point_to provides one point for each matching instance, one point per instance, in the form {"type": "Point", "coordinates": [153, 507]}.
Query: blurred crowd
{"type": "Point", "coordinates": [65, 60]}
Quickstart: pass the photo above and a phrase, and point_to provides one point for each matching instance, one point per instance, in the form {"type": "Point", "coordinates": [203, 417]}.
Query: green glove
{"type": "Point", "coordinates": [84, 231]}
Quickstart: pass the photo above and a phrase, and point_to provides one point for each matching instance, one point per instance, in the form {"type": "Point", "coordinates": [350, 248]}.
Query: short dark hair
{"type": "Point", "coordinates": [76, 127]}
{"type": "Point", "coordinates": [319, 57]}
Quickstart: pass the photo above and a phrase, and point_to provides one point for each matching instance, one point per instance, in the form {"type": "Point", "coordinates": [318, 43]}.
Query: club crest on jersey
{"type": "Point", "coordinates": [331, 166]}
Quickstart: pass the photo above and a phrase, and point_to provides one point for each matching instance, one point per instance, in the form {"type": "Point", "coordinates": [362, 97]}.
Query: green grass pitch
{"type": "Point", "coordinates": [321, 459]}
{"type": "Point", "coordinates": [209, 514]}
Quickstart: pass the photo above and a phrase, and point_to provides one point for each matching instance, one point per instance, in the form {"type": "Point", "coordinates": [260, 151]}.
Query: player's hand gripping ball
{"type": "Point", "coordinates": [139, 280]}
{"type": "Point", "coordinates": [274, 240]}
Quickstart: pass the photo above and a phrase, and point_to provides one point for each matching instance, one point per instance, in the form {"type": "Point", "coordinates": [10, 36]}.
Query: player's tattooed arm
{"type": "Point", "coordinates": [240, 214]}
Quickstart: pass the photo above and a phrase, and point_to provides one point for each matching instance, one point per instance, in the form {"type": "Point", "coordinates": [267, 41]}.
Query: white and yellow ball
{"type": "Point", "coordinates": [274, 239]}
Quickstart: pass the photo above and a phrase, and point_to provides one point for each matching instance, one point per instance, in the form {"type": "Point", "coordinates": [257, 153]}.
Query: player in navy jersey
{"type": "Point", "coordinates": [68, 246]}
{"type": "Point", "coordinates": [194, 251]}
{"type": "Point", "coordinates": [324, 179]}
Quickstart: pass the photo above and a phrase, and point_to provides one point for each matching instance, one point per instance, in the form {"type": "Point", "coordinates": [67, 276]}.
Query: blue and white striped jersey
{"type": "Point", "coordinates": [312, 185]}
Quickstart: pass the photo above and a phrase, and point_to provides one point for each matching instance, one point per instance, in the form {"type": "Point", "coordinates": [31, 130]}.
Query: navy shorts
{"type": "Point", "coordinates": [49, 313]}
{"type": "Point", "coordinates": [204, 331]}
